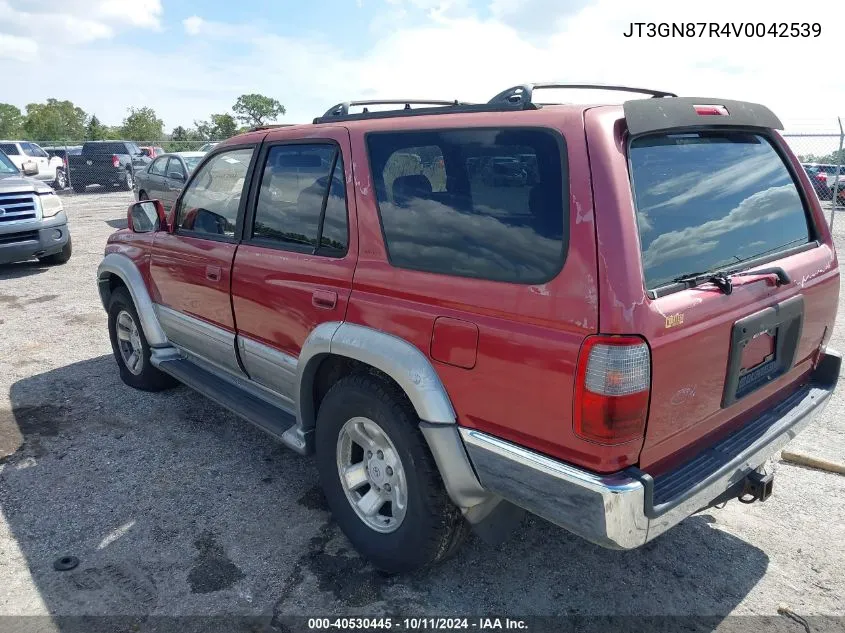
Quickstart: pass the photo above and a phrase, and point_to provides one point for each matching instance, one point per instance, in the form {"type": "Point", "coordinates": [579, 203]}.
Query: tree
{"type": "Point", "coordinates": [225, 125]}
{"type": "Point", "coordinates": [11, 121]}
{"type": "Point", "coordinates": [54, 121]}
{"type": "Point", "coordinates": [254, 109]}
{"type": "Point", "coordinates": [95, 131]}
{"type": "Point", "coordinates": [142, 124]}
{"type": "Point", "coordinates": [182, 139]}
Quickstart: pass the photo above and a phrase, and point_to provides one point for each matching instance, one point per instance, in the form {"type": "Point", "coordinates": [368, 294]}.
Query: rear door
{"type": "Point", "coordinates": [191, 267]}
{"type": "Point", "coordinates": [703, 201]}
{"type": "Point", "coordinates": [294, 268]}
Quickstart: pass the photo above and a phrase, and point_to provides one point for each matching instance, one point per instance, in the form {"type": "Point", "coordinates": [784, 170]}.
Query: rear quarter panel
{"type": "Point", "coordinates": [521, 385]}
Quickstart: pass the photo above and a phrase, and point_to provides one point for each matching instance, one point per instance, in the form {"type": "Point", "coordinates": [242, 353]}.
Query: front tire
{"type": "Point", "coordinates": [379, 478]}
{"type": "Point", "coordinates": [130, 347]}
{"type": "Point", "coordinates": [61, 257]}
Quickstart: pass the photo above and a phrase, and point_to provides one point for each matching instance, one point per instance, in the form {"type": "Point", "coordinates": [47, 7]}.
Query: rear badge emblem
{"type": "Point", "coordinates": [674, 320]}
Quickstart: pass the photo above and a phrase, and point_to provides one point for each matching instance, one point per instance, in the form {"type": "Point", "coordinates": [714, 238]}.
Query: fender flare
{"type": "Point", "coordinates": [394, 356]}
{"type": "Point", "coordinates": [125, 269]}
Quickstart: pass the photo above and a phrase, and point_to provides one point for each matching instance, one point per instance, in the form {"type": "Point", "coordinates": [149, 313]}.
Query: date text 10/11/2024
{"type": "Point", "coordinates": [417, 624]}
{"type": "Point", "coordinates": [723, 29]}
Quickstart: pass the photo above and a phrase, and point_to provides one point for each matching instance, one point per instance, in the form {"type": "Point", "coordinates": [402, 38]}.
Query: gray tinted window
{"type": "Point", "coordinates": [485, 203]}
{"type": "Point", "coordinates": [290, 200]}
{"type": "Point", "coordinates": [10, 149]}
{"type": "Point", "coordinates": [158, 166]}
{"type": "Point", "coordinates": [708, 200]}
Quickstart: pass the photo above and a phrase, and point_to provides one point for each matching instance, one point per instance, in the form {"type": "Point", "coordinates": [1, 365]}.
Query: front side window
{"type": "Point", "coordinates": [484, 203]}
{"type": "Point", "coordinates": [6, 165]}
{"type": "Point", "coordinates": [709, 200]}
{"type": "Point", "coordinates": [211, 201]}
{"type": "Point", "coordinates": [175, 169]}
{"type": "Point", "coordinates": [302, 200]}
{"type": "Point", "coordinates": [157, 167]}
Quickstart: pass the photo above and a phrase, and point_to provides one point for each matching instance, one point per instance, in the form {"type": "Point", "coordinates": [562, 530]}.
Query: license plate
{"type": "Point", "coordinates": [763, 347]}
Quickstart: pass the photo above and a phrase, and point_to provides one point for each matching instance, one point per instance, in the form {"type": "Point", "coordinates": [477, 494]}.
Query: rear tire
{"type": "Point", "coordinates": [60, 182]}
{"type": "Point", "coordinates": [128, 183]}
{"type": "Point", "coordinates": [61, 257]}
{"type": "Point", "coordinates": [130, 346]}
{"type": "Point", "coordinates": [430, 528]}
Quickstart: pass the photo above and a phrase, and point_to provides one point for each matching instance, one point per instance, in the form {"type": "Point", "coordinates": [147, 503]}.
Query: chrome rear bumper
{"type": "Point", "coordinates": [624, 510]}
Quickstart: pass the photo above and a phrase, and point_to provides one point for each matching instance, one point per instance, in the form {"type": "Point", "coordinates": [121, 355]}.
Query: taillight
{"type": "Point", "coordinates": [711, 110]}
{"type": "Point", "coordinates": [822, 176]}
{"type": "Point", "coordinates": [115, 160]}
{"type": "Point", "coordinates": [612, 388]}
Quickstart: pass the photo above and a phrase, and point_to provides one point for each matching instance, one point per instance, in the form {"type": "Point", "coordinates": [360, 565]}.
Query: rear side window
{"type": "Point", "coordinates": [10, 149]}
{"type": "Point", "coordinates": [711, 200]}
{"type": "Point", "coordinates": [302, 200]}
{"type": "Point", "coordinates": [483, 203]}
{"type": "Point", "coordinates": [158, 167]}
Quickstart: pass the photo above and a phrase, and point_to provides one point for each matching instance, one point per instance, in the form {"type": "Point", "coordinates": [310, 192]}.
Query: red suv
{"type": "Point", "coordinates": [622, 335]}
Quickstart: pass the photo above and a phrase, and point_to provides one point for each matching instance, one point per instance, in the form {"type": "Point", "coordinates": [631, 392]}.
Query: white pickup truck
{"type": "Point", "coordinates": [50, 170]}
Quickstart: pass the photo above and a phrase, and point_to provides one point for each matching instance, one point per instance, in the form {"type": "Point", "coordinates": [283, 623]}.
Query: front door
{"type": "Point", "coordinates": [191, 267]}
{"type": "Point", "coordinates": [294, 268]}
{"type": "Point", "coordinates": [173, 181]}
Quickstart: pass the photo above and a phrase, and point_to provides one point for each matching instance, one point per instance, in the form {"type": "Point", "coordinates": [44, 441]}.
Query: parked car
{"type": "Point", "coordinates": [33, 223]}
{"type": "Point", "coordinates": [62, 152]}
{"type": "Point", "coordinates": [822, 177]}
{"type": "Point", "coordinates": [106, 163]}
{"type": "Point", "coordinates": [152, 151]}
{"type": "Point", "coordinates": [164, 178]}
{"type": "Point", "coordinates": [50, 169]}
{"type": "Point", "coordinates": [612, 348]}
{"type": "Point", "coordinates": [209, 146]}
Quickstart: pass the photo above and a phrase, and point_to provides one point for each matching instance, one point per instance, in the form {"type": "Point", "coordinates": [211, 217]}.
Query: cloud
{"type": "Point", "coordinates": [52, 23]}
{"type": "Point", "coordinates": [763, 206]}
{"type": "Point", "coordinates": [425, 48]}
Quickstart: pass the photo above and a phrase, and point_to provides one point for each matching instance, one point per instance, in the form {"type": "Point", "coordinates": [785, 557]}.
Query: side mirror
{"type": "Point", "coordinates": [176, 175]}
{"type": "Point", "coordinates": [30, 169]}
{"type": "Point", "coordinates": [146, 216]}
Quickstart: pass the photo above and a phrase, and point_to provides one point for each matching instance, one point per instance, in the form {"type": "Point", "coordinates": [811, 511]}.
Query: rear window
{"type": "Point", "coordinates": [483, 203]}
{"type": "Point", "coordinates": [708, 200]}
{"type": "Point", "coordinates": [104, 148]}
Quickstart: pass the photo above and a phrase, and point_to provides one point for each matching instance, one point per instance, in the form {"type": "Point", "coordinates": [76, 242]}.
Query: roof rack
{"type": "Point", "coordinates": [522, 94]}
{"type": "Point", "coordinates": [269, 126]}
{"type": "Point", "coordinates": [340, 112]}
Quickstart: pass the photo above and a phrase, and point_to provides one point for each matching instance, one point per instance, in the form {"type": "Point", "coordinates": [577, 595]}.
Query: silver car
{"type": "Point", "coordinates": [164, 178]}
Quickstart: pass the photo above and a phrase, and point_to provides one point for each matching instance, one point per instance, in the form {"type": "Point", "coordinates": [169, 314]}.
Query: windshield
{"type": "Point", "coordinates": [192, 161]}
{"type": "Point", "coordinates": [6, 165]}
{"type": "Point", "coordinates": [709, 199]}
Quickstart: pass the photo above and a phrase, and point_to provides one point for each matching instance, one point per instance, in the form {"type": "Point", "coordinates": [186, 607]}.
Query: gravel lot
{"type": "Point", "coordinates": [176, 507]}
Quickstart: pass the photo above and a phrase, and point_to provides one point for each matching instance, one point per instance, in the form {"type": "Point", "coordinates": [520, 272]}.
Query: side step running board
{"type": "Point", "coordinates": [263, 414]}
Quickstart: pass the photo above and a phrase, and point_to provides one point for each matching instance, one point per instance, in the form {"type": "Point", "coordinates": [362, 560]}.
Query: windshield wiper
{"type": "Point", "coordinates": [723, 279]}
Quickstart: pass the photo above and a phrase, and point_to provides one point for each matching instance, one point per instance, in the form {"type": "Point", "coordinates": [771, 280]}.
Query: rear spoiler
{"type": "Point", "coordinates": [644, 116]}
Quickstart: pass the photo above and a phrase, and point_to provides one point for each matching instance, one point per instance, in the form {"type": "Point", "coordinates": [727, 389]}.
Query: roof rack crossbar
{"type": "Point", "coordinates": [342, 109]}
{"type": "Point", "coordinates": [523, 93]}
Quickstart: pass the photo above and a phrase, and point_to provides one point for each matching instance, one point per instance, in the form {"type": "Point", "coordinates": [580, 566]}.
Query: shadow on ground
{"type": "Point", "coordinates": [175, 507]}
{"type": "Point", "coordinates": [21, 269]}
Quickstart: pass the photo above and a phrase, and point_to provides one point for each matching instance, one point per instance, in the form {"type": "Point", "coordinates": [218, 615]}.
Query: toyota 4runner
{"type": "Point", "coordinates": [621, 336]}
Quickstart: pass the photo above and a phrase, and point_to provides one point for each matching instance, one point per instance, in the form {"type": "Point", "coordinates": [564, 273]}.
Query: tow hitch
{"type": "Point", "coordinates": [757, 487]}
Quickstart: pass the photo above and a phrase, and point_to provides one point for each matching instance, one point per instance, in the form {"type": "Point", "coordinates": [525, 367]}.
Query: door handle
{"type": "Point", "coordinates": [324, 299]}
{"type": "Point", "coordinates": [212, 273]}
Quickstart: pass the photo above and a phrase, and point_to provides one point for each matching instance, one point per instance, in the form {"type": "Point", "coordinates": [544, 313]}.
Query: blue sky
{"type": "Point", "coordinates": [188, 60]}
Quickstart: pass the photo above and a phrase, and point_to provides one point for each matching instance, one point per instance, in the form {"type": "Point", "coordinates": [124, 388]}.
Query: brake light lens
{"type": "Point", "coordinates": [115, 160]}
{"type": "Point", "coordinates": [822, 176]}
{"type": "Point", "coordinates": [612, 388]}
{"type": "Point", "coordinates": [711, 110]}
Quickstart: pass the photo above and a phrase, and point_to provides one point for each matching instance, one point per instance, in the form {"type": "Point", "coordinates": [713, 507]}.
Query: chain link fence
{"type": "Point", "coordinates": [822, 157]}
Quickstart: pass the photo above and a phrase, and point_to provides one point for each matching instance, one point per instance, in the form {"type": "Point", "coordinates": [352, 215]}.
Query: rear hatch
{"type": "Point", "coordinates": [727, 270]}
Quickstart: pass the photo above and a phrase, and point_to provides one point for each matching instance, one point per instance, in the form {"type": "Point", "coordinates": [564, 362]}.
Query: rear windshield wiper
{"type": "Point", "coordinates": [723, 279]}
